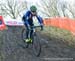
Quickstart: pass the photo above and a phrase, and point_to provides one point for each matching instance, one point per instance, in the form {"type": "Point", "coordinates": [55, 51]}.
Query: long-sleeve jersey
{"type": "Point", "coordinates": [28, 19]}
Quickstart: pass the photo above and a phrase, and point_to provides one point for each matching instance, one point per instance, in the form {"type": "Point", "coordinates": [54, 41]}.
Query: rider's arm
{"type": "Point", "coordinates": [26, 18]}
{"type": "Point", "coordinates": [41, 21]}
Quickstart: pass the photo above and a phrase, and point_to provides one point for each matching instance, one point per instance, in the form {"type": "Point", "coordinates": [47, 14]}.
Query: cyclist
{"type": "Point", "coordinates": [28, 19]}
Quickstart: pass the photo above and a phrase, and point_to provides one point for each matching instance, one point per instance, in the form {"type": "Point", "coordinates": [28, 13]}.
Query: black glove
{"type": "Point", "coordinates": [41, 28]}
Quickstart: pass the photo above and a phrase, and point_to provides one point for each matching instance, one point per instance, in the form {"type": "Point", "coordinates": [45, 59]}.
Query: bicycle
{"type": "Point", "coordinates": [36, 46]}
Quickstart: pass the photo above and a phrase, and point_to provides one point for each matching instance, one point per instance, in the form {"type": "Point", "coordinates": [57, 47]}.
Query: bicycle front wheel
{"type": "Point", "coordinates": [23, 36]}
{"type": "Point", "coordinates": [36, 45]}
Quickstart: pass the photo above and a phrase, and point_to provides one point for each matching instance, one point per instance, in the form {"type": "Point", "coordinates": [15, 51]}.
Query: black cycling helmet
{"type": "Point", "coordinates": [33, 8]}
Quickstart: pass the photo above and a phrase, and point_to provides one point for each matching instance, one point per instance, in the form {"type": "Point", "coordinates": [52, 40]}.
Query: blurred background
{"type": "Point", "coordinates": [59, 42]}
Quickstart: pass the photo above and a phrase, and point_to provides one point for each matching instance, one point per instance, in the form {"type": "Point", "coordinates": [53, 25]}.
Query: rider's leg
{"type": "Point", "coordinates": [27, 31]}
{"type": "Point", "coordinates": [27, 34]}
{"type": "Point", "coordinates": [31, 34]}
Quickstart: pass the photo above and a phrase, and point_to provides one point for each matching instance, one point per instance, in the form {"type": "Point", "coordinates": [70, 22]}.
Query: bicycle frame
{"type": "Point", "coordinates": [34, 30]}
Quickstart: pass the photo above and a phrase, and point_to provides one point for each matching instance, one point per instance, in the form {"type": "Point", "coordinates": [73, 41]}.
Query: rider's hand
{"type": "Point", "coordinates": [41, 27]}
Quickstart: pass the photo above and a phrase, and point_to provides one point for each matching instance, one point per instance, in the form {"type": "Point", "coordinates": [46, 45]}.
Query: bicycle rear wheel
{"type": "Point", "coordinates": [36, 45]}
{"type": "Point", "coordinates": [23, 36]}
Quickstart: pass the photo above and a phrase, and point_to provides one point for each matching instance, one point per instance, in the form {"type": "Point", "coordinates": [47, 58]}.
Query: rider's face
{"type": "Point", "coordinates": [33, 13]}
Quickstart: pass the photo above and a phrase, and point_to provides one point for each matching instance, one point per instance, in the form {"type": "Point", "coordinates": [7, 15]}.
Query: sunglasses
{"type": "Point", "coordinates": [33, 11]}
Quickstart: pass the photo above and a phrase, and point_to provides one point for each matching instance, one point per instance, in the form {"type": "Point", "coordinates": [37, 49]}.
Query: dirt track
{"type": "Point", "coordinates": [53, 49]}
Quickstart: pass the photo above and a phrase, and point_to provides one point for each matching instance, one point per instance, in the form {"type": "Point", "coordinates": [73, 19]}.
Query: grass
{"type": "Point", "coordinates": [64, 35]}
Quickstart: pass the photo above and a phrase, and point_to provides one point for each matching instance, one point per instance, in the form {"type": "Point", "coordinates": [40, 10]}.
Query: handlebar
{"type": "Point", "coordinates": [33, 27]}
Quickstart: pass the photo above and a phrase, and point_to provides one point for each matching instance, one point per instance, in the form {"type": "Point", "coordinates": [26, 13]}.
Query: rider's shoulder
{"type": "Point", "coordinates": [28, 11]}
